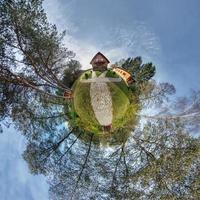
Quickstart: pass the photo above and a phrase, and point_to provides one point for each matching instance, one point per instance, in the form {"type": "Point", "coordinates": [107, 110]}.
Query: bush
{"type": "Point", "coordinates": [111, 74]}
{"type": "Point", "coordinates": [86, 76]}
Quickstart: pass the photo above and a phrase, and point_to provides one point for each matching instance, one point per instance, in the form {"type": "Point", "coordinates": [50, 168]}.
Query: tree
{"type": "Point", "coordinates": [32, 56]}
{"type": "Point", "coordinates": [71, 73]}
{"type": "Point", "coordinates": [155, 94]}
{"type": "Point", "coordinates": [172, 155]}
{"type": "Point", "coordinates": [76, 167]}
{"type": "Point", "coordinates": [161, 158]}
{"type": "Point", "coordinates": [140, 72]}
{"type": "Point", "coordinates": [184, 109]}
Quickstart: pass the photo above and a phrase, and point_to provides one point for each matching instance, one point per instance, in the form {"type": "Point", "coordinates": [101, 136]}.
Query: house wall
{"type": "Point", "coordinates": [99, 63]}
{"type": "Point", "coordinates": [123, 74]}
{"type": "Point", "coordinates": [99, 67]}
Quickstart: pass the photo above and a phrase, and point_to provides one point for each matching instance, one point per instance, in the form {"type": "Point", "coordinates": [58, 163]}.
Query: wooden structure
{"type": "Point", "coordinates": [126, 76]}
{"type": "Point", "coordinates": [99, 62]}
{"type": "Point", "coordinates": [107, 128]}
{"type": "Point", "coordinates": [68, 94]}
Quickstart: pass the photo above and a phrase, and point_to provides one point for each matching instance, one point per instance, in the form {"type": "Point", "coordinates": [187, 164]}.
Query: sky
{"type": "Point", "coordinates": [16, 182]}
{"type": "Point", "coordinates": [163, 32]}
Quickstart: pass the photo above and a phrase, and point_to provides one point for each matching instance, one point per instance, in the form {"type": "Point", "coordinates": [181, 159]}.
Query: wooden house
{"type": "Point", "coordinates": [68, 94]}
{"type": "Point", "coordinates": [99, 62]}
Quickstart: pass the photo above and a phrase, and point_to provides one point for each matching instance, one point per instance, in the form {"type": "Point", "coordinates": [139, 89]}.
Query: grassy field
{"type": "Point", "coordinates": [82, 105]}
{"type": "Point", "coordinates": [111, 74]}
{"type": "Point", "coordinates": [87, 74]}
{"type": "Point", "coordinates": [98, 73]}
{"type": "Point", "coordinates": [123, 110]}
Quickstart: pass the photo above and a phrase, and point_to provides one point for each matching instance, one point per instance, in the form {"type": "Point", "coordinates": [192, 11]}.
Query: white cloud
{"type": "Point", "coordinates": [122, 41]}
{"type": "Point", "coordinates": [134, 39]}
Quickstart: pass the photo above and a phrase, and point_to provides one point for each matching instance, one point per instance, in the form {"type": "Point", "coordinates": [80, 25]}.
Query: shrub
{"type": "Point", "coordinates": [86, 76]}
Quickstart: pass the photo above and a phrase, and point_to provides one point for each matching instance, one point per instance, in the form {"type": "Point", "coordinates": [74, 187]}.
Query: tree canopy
{"type": "Point", "coordinates": [32, 55]}
{"type": "Point", "coordinates": [140, 72]}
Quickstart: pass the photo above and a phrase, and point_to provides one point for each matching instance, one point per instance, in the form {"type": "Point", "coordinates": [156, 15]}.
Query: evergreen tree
{"type": "Point", "coordinates": [71, 73]}
{"type": "Point", "coordinates": [140, 72]}
{"type": "Point", "coordinates": [32, 56]}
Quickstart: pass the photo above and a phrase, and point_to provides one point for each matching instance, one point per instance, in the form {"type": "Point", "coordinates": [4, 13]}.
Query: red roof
{"type": "Point", "coordinates": [99, 53]}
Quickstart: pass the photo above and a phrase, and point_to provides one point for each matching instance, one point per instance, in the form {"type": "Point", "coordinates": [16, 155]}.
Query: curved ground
{"type": "Point", "coordinates": [98, 103]}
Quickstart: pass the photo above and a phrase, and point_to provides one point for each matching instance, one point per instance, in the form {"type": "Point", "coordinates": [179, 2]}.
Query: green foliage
{"type": "Point", "coordinates": [131, 64]}
{"type": "Point", "coordinates": [140, 72]}
{"type": "Point", "coordinates": [124, 112]}
{"type": "Point", "coordinates": [98, 73]}
{"type": "Point", "coordinates": [86, 118]}
{"type": "Point", "coordinates": [172, 166]}
{"type": "Point", "coordinates": [87, 75]}
{"type": "Point", "coordinates": [146, 72]}
{"type": "Point", "coordinates": [71, 73]}
{"type": "Point", "coordinates": [32, 56]}
{"type": "Point", "coordinates": [111, 74]}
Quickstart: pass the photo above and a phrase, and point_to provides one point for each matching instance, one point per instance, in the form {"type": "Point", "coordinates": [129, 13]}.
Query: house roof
{"type": "Point", "coordinates": [99, 53]}
{"type": "Point", "coordinates": [122, 69]}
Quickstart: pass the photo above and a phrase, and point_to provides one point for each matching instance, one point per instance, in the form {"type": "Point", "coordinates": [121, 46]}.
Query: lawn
{"type": "Point", "coordinates": [123, 110]}
{"type": "Point", "coordinates": [98, 73]}
{"type": "Point", "coordinates": [111, 74]}
{"type": "Point", "coordinates": [87, 74]}
{"type": "Point", "coordinates": [82, 105]}
{"type": "Point", "coordinates": [123, 86]}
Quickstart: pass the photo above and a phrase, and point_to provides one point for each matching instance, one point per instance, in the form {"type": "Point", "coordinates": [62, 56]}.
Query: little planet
{"type": "Point", "coordinates": [101, 100]}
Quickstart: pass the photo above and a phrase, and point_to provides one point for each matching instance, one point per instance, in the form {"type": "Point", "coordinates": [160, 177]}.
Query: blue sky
{"type": "Point", "coordinates": [165, 32]}
{"type": "Point", "coordinates": [16, 182]}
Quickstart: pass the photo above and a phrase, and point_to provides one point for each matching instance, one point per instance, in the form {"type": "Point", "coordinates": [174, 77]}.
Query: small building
{"type": "Point", "coordinates": [126, 76]}
{"type": "Point", "coordinates": [99, 62]}
{"type": "Point", "coordinates": [68, 94]}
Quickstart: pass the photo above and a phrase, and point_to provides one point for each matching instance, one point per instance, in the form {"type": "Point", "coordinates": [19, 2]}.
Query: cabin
{"type": "Point", "coordinates": [68, 95]}
{"type": "Point", "coordinates": [99, 62]}
{"type": "Point", "coordinates": [126, 76]}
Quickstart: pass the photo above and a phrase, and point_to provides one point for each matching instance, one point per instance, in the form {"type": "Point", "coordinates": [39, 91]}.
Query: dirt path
{"type": "Point", "coordinates": [101, 80]}
{"type": "Point", "coordinates": [101, 101]}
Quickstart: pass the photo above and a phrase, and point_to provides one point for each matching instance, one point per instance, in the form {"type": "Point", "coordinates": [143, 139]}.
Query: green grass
{"type": "Point", "coordinates": [98, 73]}
{"type": "Point", "coordinates": [82, 114]}
{"type": "Point", "coordinates": [123, 111]}
{"type": "Point", "coordinates": [111, 74]}
{"type": "Point", "coordinates": [122, 85]}
{"type": "Point", "coordinates": [87, 74]}
{"type": "Point", "coordinates": [82, 105]}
